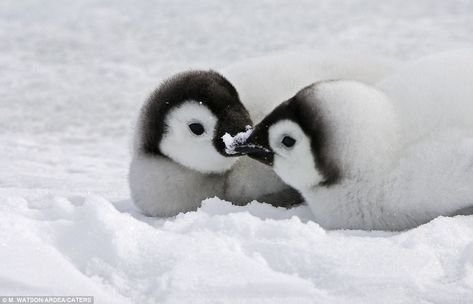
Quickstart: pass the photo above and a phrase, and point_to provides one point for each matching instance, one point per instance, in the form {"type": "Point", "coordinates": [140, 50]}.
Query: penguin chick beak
{"type": "Point", "coordinates": [251, 149]}
{"type": "Point", "coordinates": [254, 149]}
{"type": "Point", "coordinates": [232, 142]}
{"type": "Point", "coordinates": [232, 130]}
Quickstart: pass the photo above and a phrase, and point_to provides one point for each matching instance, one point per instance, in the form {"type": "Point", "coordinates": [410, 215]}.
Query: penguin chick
{"type": "Point", "coordinates": [179, 156]}
{"type": "Point", "coordinates": [339, 143]}
{"type": "Point", "coordinates": [262, 83]}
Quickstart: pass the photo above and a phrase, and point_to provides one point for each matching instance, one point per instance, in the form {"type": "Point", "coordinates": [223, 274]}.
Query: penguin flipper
{"type": "Point", "coordinates": [286, 198]}
{"type": "Point", "coordinates": [463, 211]}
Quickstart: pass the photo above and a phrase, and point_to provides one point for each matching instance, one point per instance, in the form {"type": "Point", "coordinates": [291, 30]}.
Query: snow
{"type": "Point", "coordinates": [231, 142]}
{"type": "Point", "coordinates": [73, 75]}
{"type": "Point", "coordinates": [225, 252]}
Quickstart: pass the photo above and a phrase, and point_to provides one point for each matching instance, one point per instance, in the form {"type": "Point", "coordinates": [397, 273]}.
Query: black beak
{"type": "Point", "coordinates": [233, 122]}
{"type": "Point", "coordinates": [256, 152]}
{"type": "Point", "coordinates": [251, 150]}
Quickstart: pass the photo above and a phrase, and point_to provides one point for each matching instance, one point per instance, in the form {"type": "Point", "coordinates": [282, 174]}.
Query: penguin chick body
{"type": "Point", "coordinates": [361, 158]}
{"type": "Point", "coordinates": [262, 83]}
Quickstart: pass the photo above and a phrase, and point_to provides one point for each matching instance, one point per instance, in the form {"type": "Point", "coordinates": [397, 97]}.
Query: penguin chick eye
{"type": "Point", "coordinates": [288, 141]}
{"type": "Point", "coordinates": [197, 128]}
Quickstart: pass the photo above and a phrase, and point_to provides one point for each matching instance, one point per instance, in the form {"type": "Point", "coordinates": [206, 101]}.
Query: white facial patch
{"type": "Point", "coordinates": [295, 165]}
{"type": "Point", "coordinates": [196, 152]}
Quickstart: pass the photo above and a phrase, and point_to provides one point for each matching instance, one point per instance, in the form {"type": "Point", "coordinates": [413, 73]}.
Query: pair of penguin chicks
{"type": "Point", "coordinates": [387, 156]}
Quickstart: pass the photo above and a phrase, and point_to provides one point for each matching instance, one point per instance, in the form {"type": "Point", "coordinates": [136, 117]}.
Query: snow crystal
{"type": "Point", "coordinates": [231, 142]}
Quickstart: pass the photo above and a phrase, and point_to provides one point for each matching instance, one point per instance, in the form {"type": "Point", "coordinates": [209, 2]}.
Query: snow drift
{"type": "Point", "coordinates": [222, 252]}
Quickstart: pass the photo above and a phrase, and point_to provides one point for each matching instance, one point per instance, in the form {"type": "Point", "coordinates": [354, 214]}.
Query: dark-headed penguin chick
{"type": "Point", "coordinates": [263, 83]}
{"type": "Point", "coordinates": [179, 156]}
{"type": "Point", "coordinates": [344, 145]}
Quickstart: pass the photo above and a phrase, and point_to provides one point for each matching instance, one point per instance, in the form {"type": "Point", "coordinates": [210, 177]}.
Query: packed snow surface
{"type": "Point", "coordinates": [72, 78]}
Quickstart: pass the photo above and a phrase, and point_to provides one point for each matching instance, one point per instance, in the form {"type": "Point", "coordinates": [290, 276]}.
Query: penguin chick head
{"type": "Point", "coordinates": [186, 117]}
{"type": "Point", "coordinates": [328, 131]}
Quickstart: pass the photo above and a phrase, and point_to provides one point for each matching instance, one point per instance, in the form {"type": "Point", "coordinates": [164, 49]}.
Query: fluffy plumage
{"type": "Point", "coordinates": [176, 165]}
{"type": "Point", "coordinates": [403, 152]}
{"type": "Point", "coordinates": [263, 82]}
{"type": "Point", "coordinates": [173, 170]}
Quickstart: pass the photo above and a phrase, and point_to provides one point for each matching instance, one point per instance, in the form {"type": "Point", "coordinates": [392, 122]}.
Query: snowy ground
{"type": "Point", "coordinates": [72, 76]}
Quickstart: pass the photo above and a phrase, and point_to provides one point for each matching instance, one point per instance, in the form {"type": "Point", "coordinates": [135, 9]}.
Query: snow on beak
{"type": "Point", "coordinates": [253, 147]}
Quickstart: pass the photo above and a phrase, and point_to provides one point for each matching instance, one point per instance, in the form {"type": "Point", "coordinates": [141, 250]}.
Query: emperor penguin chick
{"type": "Point", "coordinates": [363, 160]}
{"type": "Point", "coordinates": [179, 156]}
{"type": "Point", "coordinates": [262, 83]}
